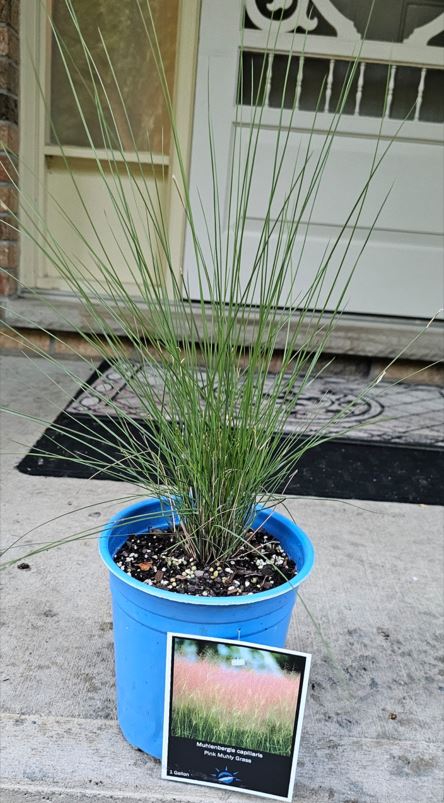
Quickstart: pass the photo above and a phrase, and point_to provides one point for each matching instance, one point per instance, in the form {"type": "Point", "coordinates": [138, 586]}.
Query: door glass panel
{"type": "Point", "coordinates": [397, 90]}
{"type": "Point", "coordinates": [134, 67]}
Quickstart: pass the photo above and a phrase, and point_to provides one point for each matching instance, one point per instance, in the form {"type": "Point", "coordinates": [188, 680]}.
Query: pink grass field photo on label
{"type": "Point", "coordinates": [234, 704]}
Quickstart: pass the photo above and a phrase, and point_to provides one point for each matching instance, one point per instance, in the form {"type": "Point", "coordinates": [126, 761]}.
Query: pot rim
{"type": "Point", "coordinates": [190, 599]}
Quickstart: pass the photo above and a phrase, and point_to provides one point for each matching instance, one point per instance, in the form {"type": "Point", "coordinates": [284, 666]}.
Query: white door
{"type": "Point", "coordinates": [401, 270]}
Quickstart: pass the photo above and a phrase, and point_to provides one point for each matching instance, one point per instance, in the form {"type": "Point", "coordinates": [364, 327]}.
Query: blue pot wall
{"type": "Point", "coordinates": [143, 615]}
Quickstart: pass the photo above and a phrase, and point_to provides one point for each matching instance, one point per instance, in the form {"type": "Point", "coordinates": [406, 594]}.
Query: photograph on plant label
{"type": "Point", "coordinates": [233, 713]}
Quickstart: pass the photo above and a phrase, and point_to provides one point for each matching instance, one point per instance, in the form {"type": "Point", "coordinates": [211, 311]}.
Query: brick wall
{"type": "Point", "coordinates": [9, 78]}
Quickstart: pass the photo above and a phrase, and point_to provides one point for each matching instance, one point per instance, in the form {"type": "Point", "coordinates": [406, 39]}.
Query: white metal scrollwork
{"type": "Point", "coordinates": [300, 18]}
{"type": "Point", "coordinates": [344, 27]}
{"type": "Point", "coordinates": [423, 34]}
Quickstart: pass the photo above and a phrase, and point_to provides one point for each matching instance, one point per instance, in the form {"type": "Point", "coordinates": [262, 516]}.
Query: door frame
{"type": "Point", "coordinates": [35, 33]}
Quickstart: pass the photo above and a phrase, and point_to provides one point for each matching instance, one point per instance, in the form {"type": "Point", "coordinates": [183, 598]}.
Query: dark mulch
{"type": "Point", "coordinates": [156, 558]}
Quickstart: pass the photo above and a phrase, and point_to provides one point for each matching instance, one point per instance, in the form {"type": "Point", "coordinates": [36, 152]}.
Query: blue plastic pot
{"type": "Point", "coordinates": [143, 615]}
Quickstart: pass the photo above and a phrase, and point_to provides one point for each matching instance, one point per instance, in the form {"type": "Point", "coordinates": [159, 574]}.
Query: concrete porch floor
{"type": "Point", "coordinates": [372, 727]}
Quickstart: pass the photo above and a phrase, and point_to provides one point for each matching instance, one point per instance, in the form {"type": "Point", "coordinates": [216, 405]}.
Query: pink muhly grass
{"type": "Point", "coordinates": [234, 698]}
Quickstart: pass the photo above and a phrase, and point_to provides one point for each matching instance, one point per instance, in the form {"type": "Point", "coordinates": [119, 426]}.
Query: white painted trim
{"type": "Point", "coordinates": [183, 104]}
{"type": "Point", "coordinates": [328, 47]}
{"type": "Point", "coordinates": [219, 39]}
{"type": "Point", "coordinates": [105, 155]}
{"type": "Point", "coordinates": [48, 45]}
{"type": "Point", "coordinates": [33, 34]}
{"type": "Point", "coordinates": [349, 124]}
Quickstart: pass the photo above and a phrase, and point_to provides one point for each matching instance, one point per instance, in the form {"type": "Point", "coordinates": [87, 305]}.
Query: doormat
{"type": "Point", "coordinates": [398, 456]}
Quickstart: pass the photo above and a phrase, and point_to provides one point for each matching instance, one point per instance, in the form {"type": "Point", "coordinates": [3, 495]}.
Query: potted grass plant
{"type": "Point", "coordinates": [205, 552]}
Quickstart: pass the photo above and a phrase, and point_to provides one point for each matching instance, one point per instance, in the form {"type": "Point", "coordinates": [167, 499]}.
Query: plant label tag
{"type": "Point", "coordinates": [233, 714]}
